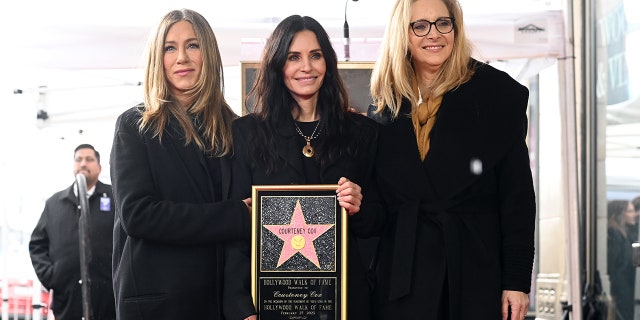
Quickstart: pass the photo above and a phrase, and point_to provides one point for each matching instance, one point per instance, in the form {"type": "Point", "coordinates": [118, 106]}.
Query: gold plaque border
{"type": "Point", "coordinates": [255, 193]}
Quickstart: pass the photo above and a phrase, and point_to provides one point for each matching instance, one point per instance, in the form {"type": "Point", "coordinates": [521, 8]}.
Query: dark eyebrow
{"type": "Point", "coordinates": [312, 51]}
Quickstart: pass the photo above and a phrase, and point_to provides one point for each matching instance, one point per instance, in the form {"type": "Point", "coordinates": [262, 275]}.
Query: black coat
{"type": "Point", "coordinates": [55, 253]}
{"type": "Point", "coordinates": [622, 273]}
{"type": "Point", "coordinates": [169, 232]}
{"type": "Point", "coordinates": [358, 168]}
{"type": "Point", "coordinates": [462, 220]}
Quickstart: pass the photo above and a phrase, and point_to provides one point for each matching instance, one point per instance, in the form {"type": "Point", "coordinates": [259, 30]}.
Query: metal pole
{"type": "Point", "coordinates": [572, 98]}
{"type": "Point", "coordinates": [591, 148]}
{"type": "Point", "coordinates": [85, 248]}
{"type": "Point", "coordinates": [5, 277]}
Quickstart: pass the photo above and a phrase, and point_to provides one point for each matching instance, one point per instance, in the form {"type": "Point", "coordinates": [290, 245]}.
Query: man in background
{"type": "Point", "coordinates": [55, 246]}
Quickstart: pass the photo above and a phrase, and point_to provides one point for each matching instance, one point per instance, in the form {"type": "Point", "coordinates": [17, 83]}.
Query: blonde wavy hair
{"type": "Point", "coordinates": [393, 77]}
{"type": "Point", "coordinates": [209, 105]}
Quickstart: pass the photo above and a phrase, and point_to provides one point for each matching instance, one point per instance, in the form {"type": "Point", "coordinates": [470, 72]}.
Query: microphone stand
{"type": "Point", "coordinates": [85, 248]}
{"type": "Point", "coordinates": [347, 54]}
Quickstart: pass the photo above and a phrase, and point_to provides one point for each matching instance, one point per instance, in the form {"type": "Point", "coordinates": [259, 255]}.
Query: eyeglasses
{"type": "Point", "coordinates": [422, 28]}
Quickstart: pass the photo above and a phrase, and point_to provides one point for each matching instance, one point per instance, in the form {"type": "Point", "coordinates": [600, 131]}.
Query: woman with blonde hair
{"type": "Point", "coordinates": [453, 169]}
{"type": "Point", "coordinates": [171, 180]}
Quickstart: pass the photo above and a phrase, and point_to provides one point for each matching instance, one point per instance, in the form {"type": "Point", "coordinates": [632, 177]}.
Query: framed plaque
{"type": "Point", "coordinates": [299, 253]}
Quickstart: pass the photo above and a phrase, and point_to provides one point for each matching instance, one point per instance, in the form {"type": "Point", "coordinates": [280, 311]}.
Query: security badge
{"type": "Point", "coordinates": [105, 203]}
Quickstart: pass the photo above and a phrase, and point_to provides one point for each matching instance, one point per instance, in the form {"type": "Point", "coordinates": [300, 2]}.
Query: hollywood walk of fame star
{"type": "Point", "coordinates": [298, 236]}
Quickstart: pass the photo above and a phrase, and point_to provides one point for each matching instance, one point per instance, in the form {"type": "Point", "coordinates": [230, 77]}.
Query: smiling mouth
{"type": "Point", "coordinates": [306, 78]}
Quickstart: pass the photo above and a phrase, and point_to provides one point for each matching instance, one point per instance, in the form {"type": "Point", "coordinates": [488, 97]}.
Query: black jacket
{"type": "Point", "coordinates": [169, 232]}
{"type": "Point", "coordinates": [467, 212]}
{"type": "Point", "coordinates": [622, 273]}
{"type": "Point", "coordinates": [358, 168]}
{"type": "Point", "coordinates": [55, 253]}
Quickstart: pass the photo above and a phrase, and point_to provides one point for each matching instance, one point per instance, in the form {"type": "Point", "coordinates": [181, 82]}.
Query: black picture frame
{"type": "Point", "coordinates": [298, 256]}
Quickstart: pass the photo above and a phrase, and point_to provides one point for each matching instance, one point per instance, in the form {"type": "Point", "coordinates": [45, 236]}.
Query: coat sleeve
{"type": "Point", "coordinates": [517, 215]}
{"type": "Point", "coordinates": [237, 301]}
{"type": "Point", "coordinates": [39, 251]}
{"type": "Point", "coordinates": [164, 205]}
{"type": "Point", "coordinates": [371, 219]}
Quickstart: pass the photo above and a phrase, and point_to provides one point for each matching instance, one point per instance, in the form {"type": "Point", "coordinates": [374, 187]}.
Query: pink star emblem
{"type": "Point", "coordinates": [298, 236]}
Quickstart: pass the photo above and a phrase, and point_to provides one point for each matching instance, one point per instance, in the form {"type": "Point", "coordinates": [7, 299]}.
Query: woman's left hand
{"type": "Point", "coordinates": [517, 301]}
{"type": "Point", "coordinates": [349, 195]}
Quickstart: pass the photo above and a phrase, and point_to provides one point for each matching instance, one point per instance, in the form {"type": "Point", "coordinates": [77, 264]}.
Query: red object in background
{"type": "Point", "coordinates": [20, 300]}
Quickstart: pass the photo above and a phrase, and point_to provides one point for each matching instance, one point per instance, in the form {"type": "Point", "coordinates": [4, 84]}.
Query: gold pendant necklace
{"type": "Point", "coordinates": [308, 150]}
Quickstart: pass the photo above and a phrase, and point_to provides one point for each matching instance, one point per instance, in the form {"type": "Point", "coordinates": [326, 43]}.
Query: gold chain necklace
{"type": "Point", "coordinates": [308, 150]}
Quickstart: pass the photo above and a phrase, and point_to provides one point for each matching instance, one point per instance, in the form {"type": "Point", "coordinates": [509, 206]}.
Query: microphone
{"type": "Point", "coordinates": [347, 55]}
{"type": "Point", "coordinates": [346, 44]}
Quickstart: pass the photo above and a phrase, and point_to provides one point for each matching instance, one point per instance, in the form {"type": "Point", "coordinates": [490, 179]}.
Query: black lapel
{"type": "Point", "coordinates": [225, 168]}
{"type": "Point", "coordinates": [399, 156]}
{"type": "Point", "coordinates": [191, 156]}
{"type": "Point", "coordinates": [475, 127]}
{"type": "Point", "coordinates": [456, 141]}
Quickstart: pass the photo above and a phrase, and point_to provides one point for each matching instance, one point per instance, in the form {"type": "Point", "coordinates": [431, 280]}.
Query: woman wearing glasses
{"type": "Point", "coordinates": [453, 169]}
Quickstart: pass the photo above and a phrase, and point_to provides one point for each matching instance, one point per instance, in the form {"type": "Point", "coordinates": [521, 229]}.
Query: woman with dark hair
{"type": "Point", "coordinates": [170, 174]}
{"type": "Point", "coordinates": [302, 132]}
{"type": "Point", "coordinates": [620, 216]}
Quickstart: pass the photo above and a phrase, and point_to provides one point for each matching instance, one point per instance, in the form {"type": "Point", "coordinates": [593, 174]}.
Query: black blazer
{"type": "Point", "coordinates": [359, 169]}
{"type": "Point", "coordinates": [169, 232]}
{"type": "Point", "coordinates": [475, 183]}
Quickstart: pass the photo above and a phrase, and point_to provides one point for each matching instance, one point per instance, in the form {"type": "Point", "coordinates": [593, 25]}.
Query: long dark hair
{"type": "Point", "coordinates": [615, 211]}
{"type": "Point", "coordinates": [271, 102]}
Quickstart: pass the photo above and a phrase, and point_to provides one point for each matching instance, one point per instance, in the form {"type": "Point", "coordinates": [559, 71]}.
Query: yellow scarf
{"type": "Point", "coordinates": [423, 118]}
